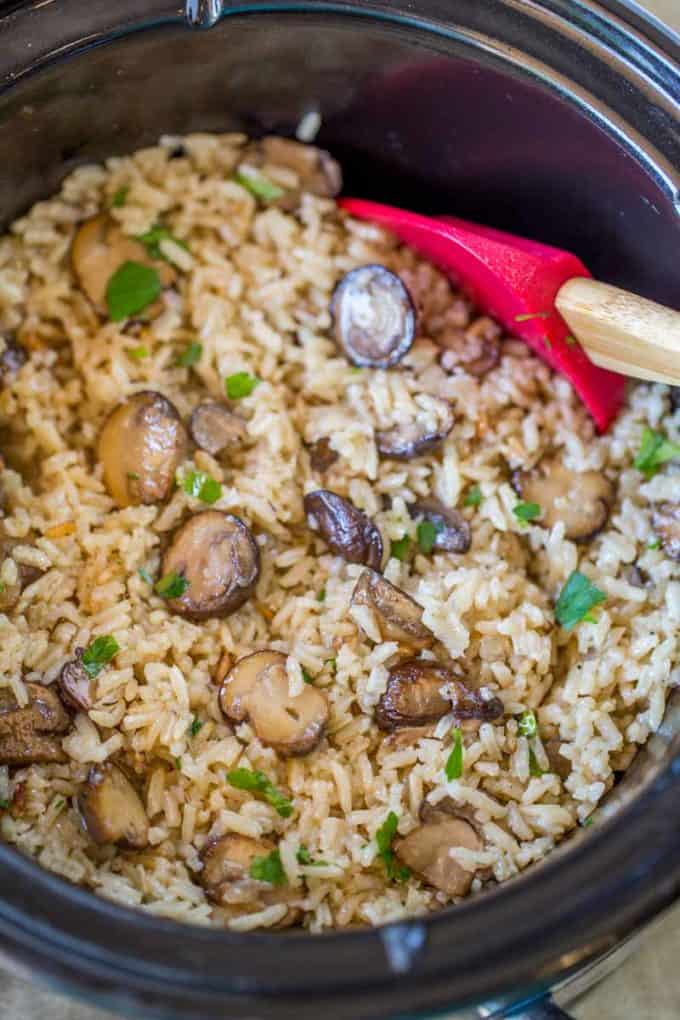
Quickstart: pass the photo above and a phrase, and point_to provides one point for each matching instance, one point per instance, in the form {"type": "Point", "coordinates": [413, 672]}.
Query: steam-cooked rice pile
{"type": "Point", "coordinates": [253, 288]}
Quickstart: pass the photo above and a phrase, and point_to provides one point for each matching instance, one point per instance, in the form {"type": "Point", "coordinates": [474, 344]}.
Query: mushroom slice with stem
{"type": "Point", "coordinates": [322, 456]}
{"type": "Point", "coordinates": [413, 438]}
{"type": "Point", "coordinates": [452, 531]}
{"type": "Point", "coordinates": [398, 616]}
{"type": "Point", "coordinates": [346, 530]}
{"type": "Point", "coordinates": [426, 851]}
{"type": "Point", "coordinates": [420, 691]}
{"type": "Point", "coordinates": [219, 560]}
{"type": "Point", "coordinates": [666, 524]}
{"type": "Point", "coordinates": [29, 734]}
{"type": "Point", "coordinates": [112, 810]}
{"type": "Point", "coordinates": [226, 878]}
{"type": "Point", "coordinates": [374, 321]}
{"type": "Point", "coordinates": [141, 445]}
{"type": "Point", "coordinates": [476, 349]}
{"type": "Point", "coordinates": [582, 500]}
{"type": "Point", "coordinates": [257, 689]}
{"type": "Point", "coordinates": [76, 684]}
{"type": "Point", "coordinates": [214, 428]}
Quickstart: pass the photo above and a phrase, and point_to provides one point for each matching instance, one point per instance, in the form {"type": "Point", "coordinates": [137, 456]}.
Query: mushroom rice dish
{"type": "Point", "coordinates": [321, 601]}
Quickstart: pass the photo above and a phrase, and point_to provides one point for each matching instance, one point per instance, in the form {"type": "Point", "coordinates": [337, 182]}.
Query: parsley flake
{"type": "Point", "coordinates": [131, 289]}
{"type": "Point", "coordinates": [321, 596]}
{"type": "Point", "coordinates": [527, 724]}
{"type": "Point", "coordinates": [98, 653]}
{"type": "Point", "coordinates": [473, 496]}
{"type": "Point", "coordinates": [153, 238]}
{"type": "Point", "coordinates": [120, 197]}
{"type": "Point", "coordinates": [145, 575]}
{"type": "Point", "coordinates": [399, 549]}
{"type": "Point", "coordinates": [305, 858]}
{"type": "Point", "coordinates": [259, 186]}
{"type": "Point", "coordinates": [535, 769]}
{"type": "Point", "coordinates": [454, 762]}
{"type": "Point", "coordinates": [526, 511]}
{"type": "Point", "coordinates": [268, 869]}
{"type": "Point", "coordinates": [427, 536]}
{"type": "Point", "coordinates": [306, 676]}
{"type": "Point", "coordinates": [654, 544]}
{"type": "Point", "coordinates": [4, 804]}
{"type": "Point", "coordinates": [172, 586]}
{"type": "Point", "coordinates": [257, 782]}
{"type": "Point", "coordinates": [384, 838]}
{"type": "Point", "coordinates": [240, 384]}
{"type": "Point", "coordinates": [190, 355]}
{"type": "Point", "coordinates": [655, 450]}
{"type": "Point", "coordinates": [138, 353]}
{"type": "Point", "coordinates": [201, 486]}
{"type": "Point", "coordinates": [577, 598]}
{"type": "Point", "coordinates": [196, 727]}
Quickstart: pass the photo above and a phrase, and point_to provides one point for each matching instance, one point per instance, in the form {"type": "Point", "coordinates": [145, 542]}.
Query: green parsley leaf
{"type": "Point", "coordinates": [306, 676]}
{"type": "Point", "coordinates": [427, 536]}
{"type": "Point", "coordinates": [172, 586]}
{"type": "Point", "coordinates": [4, 804]}
{"type": "Point", "coordinates": [152, 241]}
{"type": "Point", "coordinates": [532, 315]}
{"type": "Point", "coordinates": [201, 486]}
{"type": "Point", "coordinates": [454, 763]}
{"type": "Point", "coordinates": [587, 822]}
{"type": "Point", "coordinates": [305, 858]}
{"type": "Point", "coordinates": [268, 869]}
{"type": "Point", "coordinates": [655, 450]}
{"type": "Point", "coordinates": [577, 598]}
{"type": "Point", "coordinates": [190, 355]}
{"type": "Point", "coordinates": [256, 782]}
{"type": "Point", "coordinates": [196, 726]}
{"type": "Point", "coordinates": [399, 549]}
{"type": "Point", "coordinates": [145, 575]}
{"type": "Point", "coordinates": [138, 353]}
{"type": "Point", "coordinates": [178, 764]}
{"type": "Point", "coordinates": [3, 586]}
{"type": "Point", "coordinates": [131, 289]}
{"type": "Point", "coordinates": [321, 596]}
{"type": "Point", "coordinates": [384, 838]}
{"type": "Point", "coordinates": [527, 724]}
{"type": "Point", "coordinates": [98, 653]}
{"type": "Point", "coordinates": [120, 197]}
{"type": "Point", "coordinates": [132, 475]}
{"type": "Point", "coordinates": [473, 497]}
{"type": "Point", "coordinates": [526, 511]}
{"type": "Point", "coordinates": [59, 804]}
{"type": "Point", "coordinates": [332, 664]}
{"type": "Point", "coordinates": [535, 769]}
{"type": "Point", "coordinates": [590, 618]}
{"type": "Point", "coordinates": [259, 186]}
{"type": "Point", "coordinates": [240, 384]}
{"type": "Point", "coordinates": [654, 544]}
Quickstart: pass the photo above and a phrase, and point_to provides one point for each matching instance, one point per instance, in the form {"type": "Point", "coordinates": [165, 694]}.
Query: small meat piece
{"type": "Point", "coordinates": [666, 524]}
{"type": "Point", "coordinates": [582, 500]}
{"type": "Point", "coordinates": [420, 691]}
{"type": "Point", "coordinates": [75, 684]}
{"type": "Point", "coordinates": [452, 530]}
{"type": "Point", "coordinates": [476, 349]}
{"type": "Point", "coordinates": [112, 810]}
{"type": "Point", "coordinates": [214, 428]}
{"type": "Point", "coordinates": [345, 529]}
{"type": "Point", "coordinates": [426, 851]}
{"type": "Point", "coordinates": [219, 558]}
{"type": "Point", "coordinates": [398, 616]}
{"type": "Point", "coordinates": [374, 321]}
{"type": "Point", "coordinates": [413, 438]}
{"type": "Point", "coordinates": [322, 456]}
{"type": "Point", "coordinates": [28, 734]}
{"type": "Point", "coordinates": [257, 689]}
{"type": "Point", "coordinates": [226, 877]}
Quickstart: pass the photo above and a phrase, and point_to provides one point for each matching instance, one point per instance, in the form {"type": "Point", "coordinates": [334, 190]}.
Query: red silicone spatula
{"type": "Point", "coordinates": [521, 283]}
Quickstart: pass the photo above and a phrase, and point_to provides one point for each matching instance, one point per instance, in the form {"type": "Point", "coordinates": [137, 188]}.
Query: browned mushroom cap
{"type": "Point", "coordinates": [411, 439]}
{"type": "Point", "coordinates": [666, 524]}
{"type": "Point", "coordinates": [226, 876]}
{"type": "Point", "coordinates": [421, 691]}
{"type": "Point", "coordinates": [399, 617]}
{"type": "Point", "coordinates": [452, 531]}
{"type": "Point", "coordinates": [141, 445]}
{"type": "Point", "coordinates": [322, 455]}
{"type": "Point", "coordinates": [99, 248]}
{"type": "Point", "coordinates": [346, 530]}
{"type": "Point", "coordinates": [374, 322]}
{"type": "Point", "coordinates": [426, 851]}
{"type": "Point", "coordinates": [27, 735]}
{"type": "Point", "coordinates": [476, 349]}
{"type": "Point", "coordinates": [218, 556]}
{"type": "Point", "coordinates": [256, 688]}
{"type": "Point", "coordinates": [582, 500]}
{"type": "Point", "coordinates": [215, 428]}
{"type": "Point", "coordinates": [75, 684]}
{"type": "Point", "coordinates": [318, 172]}
{"type": "Point", "coordinates": [112, 810]}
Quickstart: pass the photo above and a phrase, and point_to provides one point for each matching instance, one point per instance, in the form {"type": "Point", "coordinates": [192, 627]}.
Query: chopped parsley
{"type": "Point", "coordinates": [587, 822]}
{"type": "Point", "coordinates": [527, 724]}
{"type": "Point", "coordinates": [138, 353]}
{"type": "Point", "coordinates": [59, 804]}
{"type": "Point", "coordinates": [655, 450]}
{"type": "Point", "coordinates": [305, 858]}
{"type": "Point", "coordinates": [268, 869]}
{"type": "Point", "coordinates": [152, 241]}
{"type": "Point", "coordinates": [132, 475]}
{"type": "Point", "coordinates": [196, 727]}
{"type": "Point", "coordinates": [526, 511]}
{"type": "Point", "coordinates": [399, 549]}
{"type": "Point", "coordinates": [321, 596]}
{"type": "Point", "coordinates": [259, 186]}
{"type": "Point", "coordinates": [427, 536]}
{"type": "Point", "coordinates": [98, 653]}
{"type": "Point", "coordinates": [178, 764]}
{"type": "Point", "coordinates": [535, 769]}
{"type": "Point", "coordinates": [454, 762]}
{"type": "Point", "coordinates": [201, 486]}
{"type": "Point", "coordinates": [4, 804]}
{"type": "Point", "coordinates": [240, 384]}
{"type": "Point", "coordinates": [120, 197]}
{"type": "Point", "coordinates": [172, 586]}
{"type": "Point", "coordinates": [654, 544]}
{"type": "Point", "coordinates": [332, 664]}
{"type": "Point", "coordinates": [131, 289]}
{"type": "Point", "coordinates": [473, 496]}
{"type": "Point", "coordinates": [306, 676]}
{"type": "Point", "coordinates": [145, 575]}
{"type": "Point", "coordinates": [384, 838]}
{"type": "Point", "coordinates": [190, 355]}
{"type": "Point", "coordinates": [3, 586]}
{"type": "Point", "coordinates": [256, 782]}
{"type": "Point", "coordinates": [577, 598]}
{"type": "Point", "coordinates": [526, 316]}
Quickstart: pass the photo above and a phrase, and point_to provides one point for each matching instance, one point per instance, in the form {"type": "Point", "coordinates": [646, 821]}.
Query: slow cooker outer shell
{"type": "Point", "coordinates": [541, 118]}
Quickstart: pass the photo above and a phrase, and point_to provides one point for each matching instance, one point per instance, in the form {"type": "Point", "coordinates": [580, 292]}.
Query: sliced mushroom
{"type": "Point", "coordinates": [675, 397]}
{"type": "Point", "coordinates": [28, 734]}
{"type": "Point", "coordinates": [374, 321]}
{"type": "Point", "coordinates": [112, 810]}
{"type": "Point", "coordinates": [215, 428]}
{"type": "Point", "coordinates": [452, 531]}
{"type": "Point", "coordinates": [26, 574]}
{"type": "Point", "coordinates": [345, 529]}
{"type": "Point", "coordinates": [420, 691]}
{"type": "Point", "coordinates": [408, 736]}
{"type": "Point", "coordinates": [560, 765]}
{"type": "Point", "coordinates": [413, 438]}
{"type": "Point", "coordinates": [426, 851]}
{"type": "Point", "coordinates": [322, 456]}
{"type": "Point", "coordinates": [398, 616]}
{"type": "Point", "coordinates": [227, 882]}
{"type": "Point", "coordinates": [99, 248]}
{"type": "Point", "coordinates": [582, 500]}
{"type": "Point", "coordinates": [141, 445]}
{"type": "Point", "coordinates": [318, 172]}
{"type": "Point", "coordinates": [257, 689]}
{"type": "Point", "coordinates": [666, 524]}
{"type": "Point", "coordinates": [218, 556]}
{"type": "Point", "coordinates": [13, 357]}
{"type": "Point", "coordinates": [476, 349]}
{"type": "Point", "coordinates": [75, 684]}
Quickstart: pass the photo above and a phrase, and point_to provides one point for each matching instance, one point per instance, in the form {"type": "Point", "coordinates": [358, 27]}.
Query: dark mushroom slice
{"type": "Point", "coordinates": [344, 528]}
{"type": "Point", "coordinates": [99, 248]}
{"type": "Point", "coordinates": [666, 524]}
{"type": "Point", "coordinates": [321, 454]}
{"type": "Point", "coordinates": [420, 691]}
{"type": "Point", "coordinates": [374, 321]}
{"type": "Point", "coordinates": [28, 735]}
{"type": "Point", "coordinates": [426, 851]}
{"type": "Point", "coordinates": [582, 500]}
{"type": "Point", "coordinates": [413, 438]}
{"type": "Point", "coordinates": [560, 765]}
{"type": "Point", "coordinates": [399, 617]}
{"type": "Point", "coordinates": [452, 531]}
{"type": "Point", "coordinates": [476, 349]}
{"type": "Point", "coordinates": [219, 558]}
{"type": "Point", "coordinates": [141, 445]}
{"type": "Point", "coordinates": [26, 574]}
{"type": "Point", "coordinates": [227, 882]}
{"type": "Point", "coordinates": [75, 684]}
{"type": "Point", "coordinates": [13, 357]}
{"type": "Point", "coordinates": [214, 428]}
{"type": "Point", "coordinates": [112, 810]}
{"type": "Point", "coordinates": [257, 689]}
{"type": "Point", "coordinates": [675, 397]}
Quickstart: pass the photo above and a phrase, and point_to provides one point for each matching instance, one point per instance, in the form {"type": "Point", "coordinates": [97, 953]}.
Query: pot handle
{"type": "Point", "coordinates": [538, 1009]}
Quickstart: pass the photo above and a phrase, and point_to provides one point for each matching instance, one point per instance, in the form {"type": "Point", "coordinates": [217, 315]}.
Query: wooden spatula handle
{"type": "Point", "coordinates": [621, 331]}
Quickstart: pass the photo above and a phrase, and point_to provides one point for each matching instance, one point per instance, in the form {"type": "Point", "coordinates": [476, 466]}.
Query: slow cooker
{"type": "Point", "coordinates": [557, 119]}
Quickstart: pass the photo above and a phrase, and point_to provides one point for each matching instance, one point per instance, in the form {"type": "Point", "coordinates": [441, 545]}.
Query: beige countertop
{"type": "Point", "coordinates": [647, 985]}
